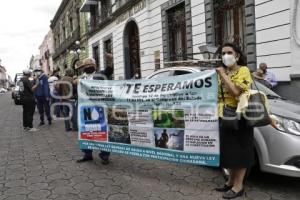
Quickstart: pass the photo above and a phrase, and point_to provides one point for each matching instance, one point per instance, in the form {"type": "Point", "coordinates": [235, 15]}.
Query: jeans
{"type": "Point", "coordinates": [43, 107]}
{"type": "Point", "coordinates": [74, 116]}
{"type": "Point", "coordinates": [66, 114]}
{"type": "Point", "coordinates": [28, 112]}
{"type": "Point", "coordinates": [57, 109]}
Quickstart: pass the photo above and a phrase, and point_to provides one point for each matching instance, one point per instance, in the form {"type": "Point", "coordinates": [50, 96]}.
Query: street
{"type": "Point", "coordinates": [42, 165]}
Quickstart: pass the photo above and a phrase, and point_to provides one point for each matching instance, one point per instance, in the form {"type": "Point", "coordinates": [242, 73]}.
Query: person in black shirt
{"type": "Point", "coordinates": [27, 99]}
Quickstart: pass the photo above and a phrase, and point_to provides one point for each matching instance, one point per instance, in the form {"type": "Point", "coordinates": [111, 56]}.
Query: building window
{"type": "Point", "coordinates": [71, 24]}
{"type": "Point", "coordinates": [120, 3]}
{"type": "Point", "coordinates": [177, 30]}
{"type": "Point", "coordinates": [132, 51]}
{"type": "Point", "coordinates": [96, 55]}
{"type": "Point", "coordinates": [94, 18]}
{"type": "Point", "coordinates": [177, 33]}
{"type": "Point", "coordinates": [64, 33]}
{"type": "Point", "coordinates": [58, 39]}
{"type": "Point", "coordinates": [229, 22]}
{"type": "Point", "coordinates": [105, 9]}
{"type": "Point", "coordinates": [108, 53]}
{"type": "Point", "coordinates": [55, 43]}
{"type": "Point", "coordinates": [77, 18]}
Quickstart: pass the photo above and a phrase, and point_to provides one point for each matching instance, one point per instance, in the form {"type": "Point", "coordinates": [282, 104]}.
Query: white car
{"type": "Point", "coordinates": [3, 90]}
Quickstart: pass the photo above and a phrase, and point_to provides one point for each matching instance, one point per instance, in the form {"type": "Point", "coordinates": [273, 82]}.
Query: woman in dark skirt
{"type": "Point", "coordinates": [236, 146]}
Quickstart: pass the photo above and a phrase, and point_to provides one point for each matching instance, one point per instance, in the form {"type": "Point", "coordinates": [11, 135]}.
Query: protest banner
{"type": "Point", "coordinates": [170, 118]}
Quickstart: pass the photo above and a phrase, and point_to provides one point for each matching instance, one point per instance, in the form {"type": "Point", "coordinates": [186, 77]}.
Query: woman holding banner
{"type": "Point", "coordinates": [236, 144]}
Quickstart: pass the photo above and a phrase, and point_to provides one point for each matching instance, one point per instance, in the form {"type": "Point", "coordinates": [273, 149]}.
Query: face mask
{"type": "Point", "coordinates": [39, 73]}
{"type": "Point", "coordinates": [89, 70]}
{"type": "Point", "coordinates": [228, 60]}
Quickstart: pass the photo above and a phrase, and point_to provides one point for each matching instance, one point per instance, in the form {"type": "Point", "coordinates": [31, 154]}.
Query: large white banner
{"type": "Point", "coordinates": [172, 118]}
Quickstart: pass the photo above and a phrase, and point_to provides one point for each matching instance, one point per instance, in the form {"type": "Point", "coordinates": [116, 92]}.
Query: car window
{"type": "Point", "coordinates": [181, 72]}
{"type": "Point", "coordinates": [161, 74]}
{"type": "Point", "coordinates": [263, 89]}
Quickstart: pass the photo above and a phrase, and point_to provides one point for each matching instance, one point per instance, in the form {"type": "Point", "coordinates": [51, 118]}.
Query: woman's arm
{"type": "Point", "coordinates": [232, 88]}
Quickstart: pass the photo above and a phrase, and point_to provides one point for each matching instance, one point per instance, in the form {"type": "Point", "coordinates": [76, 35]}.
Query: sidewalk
{"type": "Point", "coordinates": [42, 165]}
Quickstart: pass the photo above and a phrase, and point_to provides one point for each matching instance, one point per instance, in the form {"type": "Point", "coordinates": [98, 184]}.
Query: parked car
{"type": "Point", "coordinates": [16, 94]}
{"type": "Point", "coordinates": [3, 90]}
{"type": "Point", "coordinates": [18, 77]}
{"type": "Point", "coordinates": [277, 146]}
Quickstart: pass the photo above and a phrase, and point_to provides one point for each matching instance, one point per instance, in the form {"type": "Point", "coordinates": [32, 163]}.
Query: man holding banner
{"type": "Point", "coordinates": [89, 67]}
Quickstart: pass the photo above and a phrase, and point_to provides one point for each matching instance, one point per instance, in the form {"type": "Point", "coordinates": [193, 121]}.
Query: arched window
{"type": "Point", "coordinates": [132, 51]}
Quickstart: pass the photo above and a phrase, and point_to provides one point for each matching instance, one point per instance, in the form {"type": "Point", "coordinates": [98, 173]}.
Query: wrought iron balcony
{"type": "Point", "coordinates": [98, 21]}
{"type": "Point", "coordinates": [67, 43]}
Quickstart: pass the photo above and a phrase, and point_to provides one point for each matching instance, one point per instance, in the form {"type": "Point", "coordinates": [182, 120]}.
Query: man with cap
{"type": "Point", "coordinates": [89, 67]}
{"type": "Point", "coordinates": [268, 76]}
{"type": "Point", "coordinates": [53, 79]}
{"type": "Point", "coordinates": [259, 77]}
{"type": "Point", "coordinates": [42, 95]}
{"type": "Point", "coordinates": [65, 89]}
{"type": "Point", "coordinates": [27, 100]}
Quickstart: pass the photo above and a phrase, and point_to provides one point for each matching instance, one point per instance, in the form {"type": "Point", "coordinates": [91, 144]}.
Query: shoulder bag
{"type": "Point", "coordinates": [256, 114]}
{"type": "Point", "coordinates": [230, 119]}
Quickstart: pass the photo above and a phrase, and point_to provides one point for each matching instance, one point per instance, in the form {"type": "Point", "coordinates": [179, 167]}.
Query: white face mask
{"type": "Point", "coordinates": [228, 60]}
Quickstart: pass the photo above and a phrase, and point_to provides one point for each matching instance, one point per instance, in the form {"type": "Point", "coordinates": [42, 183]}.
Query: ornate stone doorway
{"type": "Point", "coordinates": [132, 51]}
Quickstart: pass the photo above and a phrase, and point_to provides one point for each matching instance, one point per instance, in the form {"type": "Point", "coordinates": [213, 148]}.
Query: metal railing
{"type": "Point", "coordinates": [67, 43]}
{"type": "Point", "coordinates": [97, 21]}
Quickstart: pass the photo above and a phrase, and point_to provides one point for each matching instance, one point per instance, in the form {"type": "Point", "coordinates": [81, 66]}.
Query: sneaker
{"type": "Point", "coordinates": [42, 123]}
{"type": "Point", "coordinates": [33, 130]}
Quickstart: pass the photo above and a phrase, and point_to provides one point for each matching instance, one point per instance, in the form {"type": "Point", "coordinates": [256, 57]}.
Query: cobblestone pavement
{"type": "Point", "coordinates": [42, 166]}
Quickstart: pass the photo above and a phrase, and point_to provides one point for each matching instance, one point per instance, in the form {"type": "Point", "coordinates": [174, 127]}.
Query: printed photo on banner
{"type": "Point", "coordinates": [93, 125]}
{"type": "Point", "coordinates": [169, 138]}
{"type": "Point", "coordinates": [168, 118]}
{"type": "Point", "coordinates": [119, 134]}
{"type": "Point", "coordinates": [117, 116]}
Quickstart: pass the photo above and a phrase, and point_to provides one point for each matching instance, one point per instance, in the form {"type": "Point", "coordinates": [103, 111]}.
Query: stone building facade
{"type": "Point", "coordinates": [69, 26]}
{"type": "Point", "coordinates": [46, 53]}
{"type": "Point", "coordinates": [35, 62]}
{"type": "Point", "coordinates": [3, 77]}
{"type": "Point", "coordinates": [144, 34]}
